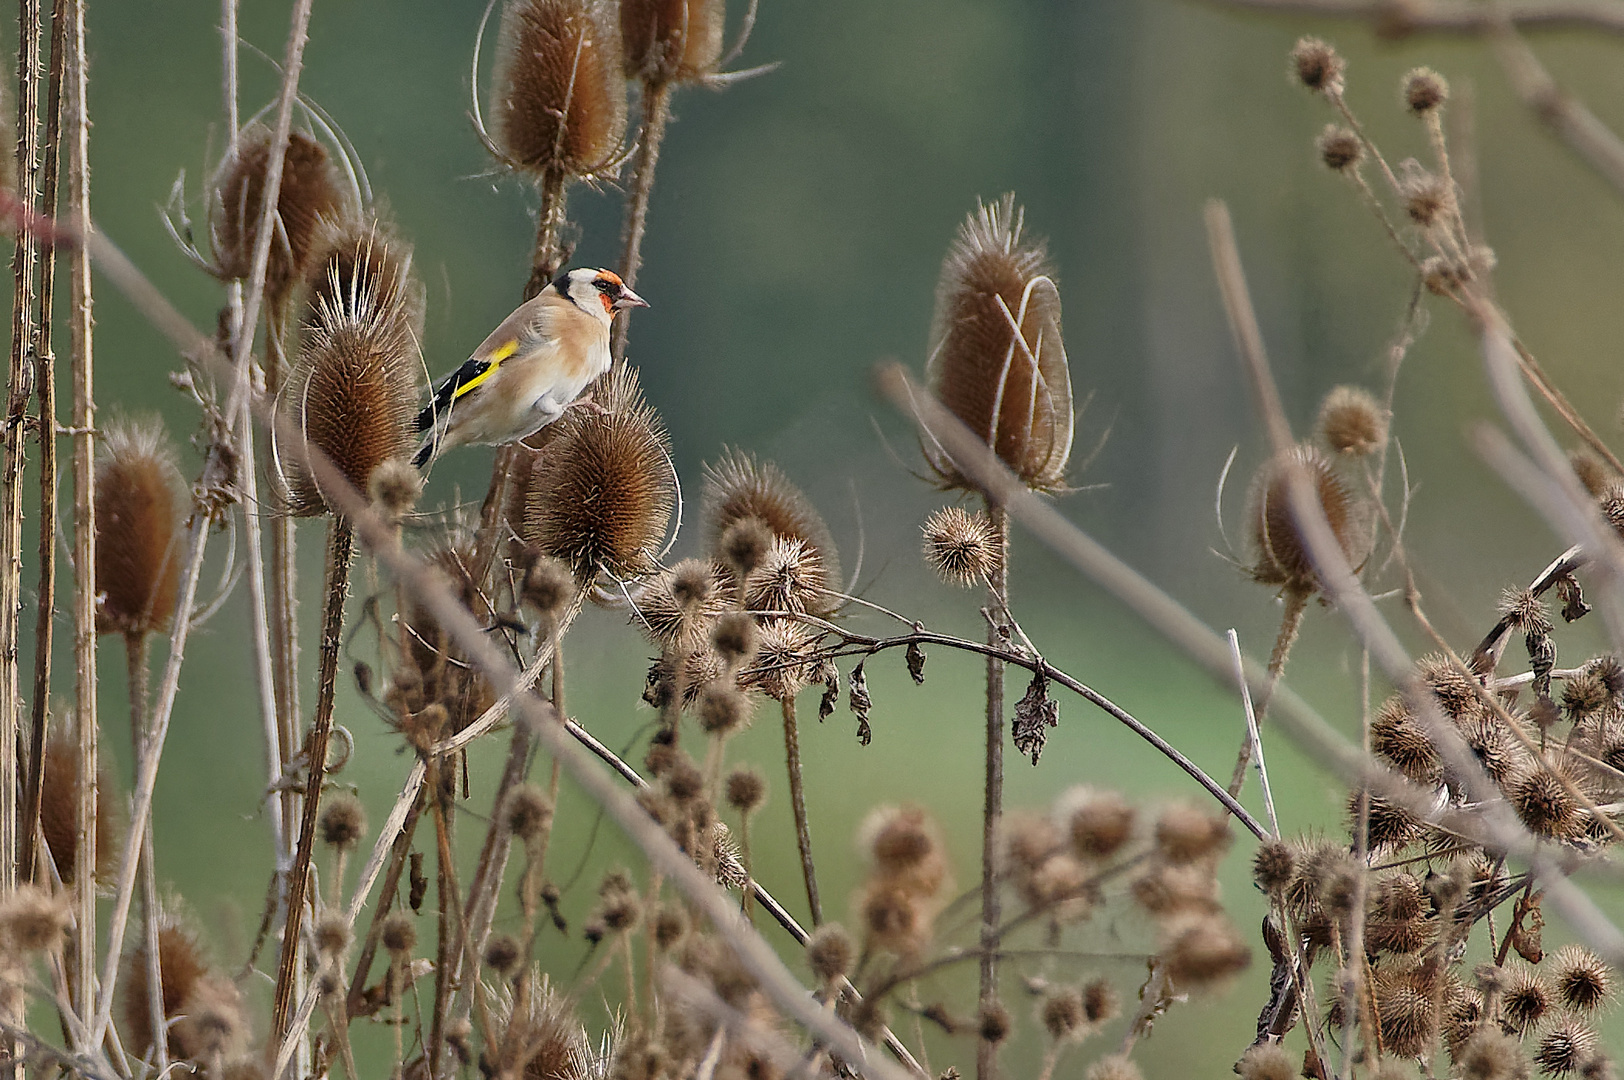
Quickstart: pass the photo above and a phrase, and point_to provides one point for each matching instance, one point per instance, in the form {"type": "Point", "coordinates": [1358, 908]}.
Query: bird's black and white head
{"type": "Point", "coordinates": [600, 292]}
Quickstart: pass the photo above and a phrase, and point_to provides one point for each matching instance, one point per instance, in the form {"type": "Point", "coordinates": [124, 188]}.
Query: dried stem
{"type": "Point", "coordinates": [1291, 620]}
{"type": "Point", "coordinates": [993, 804]}
{"type": "Point", "coordinates": [797, 801]}
{"type": "Point", "coordinates": [136, 650]}
{"type": "Point", "coordinates": [656, 112]}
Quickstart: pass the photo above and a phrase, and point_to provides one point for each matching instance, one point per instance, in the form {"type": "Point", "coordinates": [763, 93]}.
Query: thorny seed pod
{"type": "Point", "coordinates": [735, 638]}
{"type": "Point", "coordinates": [903, 845]}
{"type": "Point", "coordinates": [672, 40]}
{"type": "Point", "coordinates": [723, 710]}
{"type": "Point", "coordinates": [1426, 197]}
{"type": "Point", "coordinates": [1457, 693]}
{"type": "Point", "coordinates": [311, 191]}
{"type": "Point", "coordinates": [547, 585]}
{"type": "Point", "coordinates": [1388, 826]}
{"type": "Point", "coordinates": [1527, 998]}
{"type": "Point", "coordinates": [1185, 834]}
{"type": "Point", "coordinates": [1273, 866]}
{"type": "Point", "coordinates": [830, 952]}
{"type": "Point", "coordinates": [528, 811]}
{"type": "Point", "coordinates": [993, 1023]}
{"type": "Point", "coordinates": [139, 507]}
{"type": "Point", "coordinates": [502, 953]}
{"type": "Point", "coordinates": [1545, 806]}
{"type": "Point", "coordinates": [542, 1038]}
{"type": "Point", "coordinates": [745, 789]}
{"type": "Point", "coordinates": [895, 918]}
{"type": "Point", "coordinates": [1408, 1018]}
{"type": "Point", "coordinates": [1424, 90]}
{"type": "Point", "coordinates": [1062, 1014]}
{"type": "Point", "coordinates": [394, 489]}
{"type": "Point", "coordinates": [332, 936]}
{"type": "Point", "coordinates": [678, 606]}
{"type": "Point", "coordinates": [1489, 1054]}
{"type": "Point", "coordinates": [1565, 1047]}
{"type": "Point", "coordinates": [559, 100]}
{"type": "Point", "coordinates": [1283, 554]}
{"type": "Point", "coordinates": [1099, 822]}
{"type": "Point", "coordinates": [960, 546]}
{"type": "Point", "coordinates": [784, 657]}
{"type": "Point", "coordinates": [997, 360]}
{"type": "Point", "coordinates": [743, 544]}
{"type": "Point", "coordinates": [354, 389]}
{"type": "Point", "coordinates": [59, 811]}
{"type": "Point", "coordinates": [738, 488]}
{"type": "Point", "coordinates": [1352, 422]}
{"type": "Point", "coordinates": [1524, 612]}
{"type": "Point", "coordinates": [1316, 65]}
{"type": "Point", "coordinates": [603, 500]}
{"type": "Point", "coordinates": [1583, 980]}
{"type": "Point", "coordinates": [343, 822]}
{"type": "Point", "coordinates": [1396, 736]}
{"type": "Point", "coordinates": [399, 934]}
{"type": "Point", "coordinates": [791, 578]}
{"type": "Point", "coordinates": [180, 968]}
{"type": "Point", "coordinates": [1339, 148]}
{"type": "Point", "coordinates": [1100, 1002]}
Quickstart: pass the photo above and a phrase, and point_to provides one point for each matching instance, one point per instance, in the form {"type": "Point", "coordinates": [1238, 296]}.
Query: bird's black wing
{"type": "Point", "coordinates": [446, 392]}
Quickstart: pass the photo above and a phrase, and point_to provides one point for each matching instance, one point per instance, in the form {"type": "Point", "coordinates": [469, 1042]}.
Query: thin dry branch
{"type": "Point", "coordinates": [1452, 16]}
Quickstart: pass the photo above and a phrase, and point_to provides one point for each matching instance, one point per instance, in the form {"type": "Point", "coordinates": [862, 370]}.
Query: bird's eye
{"type": "Point", "coordinates": [604, 284]}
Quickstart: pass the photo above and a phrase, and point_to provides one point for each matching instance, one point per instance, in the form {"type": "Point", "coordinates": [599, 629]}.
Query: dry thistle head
{"type": "Point", "coordinates": [1397, 737]}
{"type": "Point", "coordinates": [997, 360]}
{"type": "Point", "coordinates": [1583, 980]}
{"type": "Point", "coordinates": [1098, 822]}
{"type": "Point", "coordinates": [180, 968]}
{"type": "Point", "coordinates": [399, 935]}
{"type": "Point", "coordinates": [1186, 834]}
{"type": "Point", "coordinates": [603, 500]}
{"type": "Point", "coordinates": [739, 488]}
{"type": "Point", "coordinates": [502, 953]}
{"type": "Point", "coordinates": [540, 1036]}
{"type": "Point", "coordinates": [1062, 1013]}
{"type": "Point", "coordinates": [1424, 90]}
{"type": "Point", "coordinates": [830, 952]}
{"type": "Point", "coordinates": [1114, 1067]}
{"type": "Point", "coordinates": [343, 822]}
{"type": "Point", "coordinates": [791, 578]}
{"type": "Point", "coordinates": [784, 659]}
{"type": "Point", "coordinates": [1352, 422]}
{"type": "Point", "coordinates": [1566, 1046]}
{"type": "Point", "coordinates": [735, 638]}
{"type": "Point", "coordinates": [1317, 65]}
{"type": "Point", "coordinates": [1339, 148]}
{"type": "Point", "coordinates": [993, 1023]}
{"type": "Point", "coordinates": [1202, 950]}
{"type": "Point", "coordinates": [559, 101]}
{"type": "Point", "coordinates": [1544, 804]}
{"type": "Point", "coordinates": [901, 842]}
{"type": "Point", "coordinates": [1426, 197]}
{"type": "Point", "coordinates": [547, 585]}
{"type": "Point", "coordinates": [140, 503]}
{"type": "Point", "coordinates": [394, 489]}
{"type": "Point", "coordinates": [1267, 1061]}
{"type": "Point", "coordinates": [723, 710]}
{"type": "Point", "coordinates": [680, 605]}
{"type": "Point", "coordinates": [59, 810]}
{"type": "Point", "coordinates": [1100, 1002]}
{"type": "Point", "coordinates": [960, 546]}
{"type": "Point", "coordinates": [746, 789]}
{"type": "Point", "coordinates": [1283, 556]}
{"type": "Point", "coordinates": [1489, 1054]}
{"type": "Point", "coordinates": [672, 40]}
{"type": "Point", "coordinates": [1524, 612]}
{"type": "Point", "coordinates": [528, 812]}
{"type": "Point", "coordinates": [312, 190]}
{"type": "Point", "coordinates": [1273, 866]}
{"type": "Point", "coordinates": [1409, 1018]}
{"type": "Point", "coordinates": [354, 389]}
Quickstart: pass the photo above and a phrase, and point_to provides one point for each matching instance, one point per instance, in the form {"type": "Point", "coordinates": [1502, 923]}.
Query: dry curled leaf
{"type": "Point", "coordinates": [916, 662]}
{"type": "Point", "coordinates": [1034, 715]}
{"type": "Point", "coordinates": [829, 676]}
{"type": "Point", "coordinates": [859, 702]}
{"type": "Point", "coordinates": [1572, 597]}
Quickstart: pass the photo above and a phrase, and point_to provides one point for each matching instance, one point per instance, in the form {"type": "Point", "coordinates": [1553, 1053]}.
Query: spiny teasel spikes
{"type": "Point", "coordinates": [354, 389]}
{"type": "Point", "coordinates": [181, 968]}
{"type": "Point", "coordinates": [59, 809]}
{"type": "Point", "coordinates": [1283, 558]}
{"type": "Point", "coordinates": [602, 499]}
{"type": "Point", "coordinates": [312, 190]}
{"type": "Point", "coordinates": [140, 505]}
{"type": "Point", "coordinates": [559, 104]}
{"type": "Point", "coordinates": [738, 488]}
{"type": "Point", "coordinates": [1012, 389]}
{"type": "Point", "coordinates": [432, 670]}
{"type": "Point", "coordinates": [672, 40]}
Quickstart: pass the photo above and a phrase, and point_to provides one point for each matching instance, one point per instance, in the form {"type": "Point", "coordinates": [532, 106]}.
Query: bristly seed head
{"type": "Point", "coordinates": [1267, 1061]}
{"type": "Point", "coordinates": [1062, 1013]}
{"type": "Point", "coordinates": [960, 546]}
{"type": "Point", "coordinates": [1099, 822]}
{"type": "Point", "coordinates": [394, 488]}
{"type": "Point", "coordinates": [672, 40]}
{"type": "Point", "coordinates": [399, 934]}
{"type": "Point", "coordinates": [746, 789]}
{"type": "Point", "coordinates": [529, 811]}
{"type": "Point", "coordinates": [140, 502]}
{"type": "Point", "coordinates": [1426, 197]}
{"type": "Point", "coordinates": [1524, 612]}
{"type": "Point", "coordinates": [1527, 998]}
{"type": "Point", "coordinates": [1583, 980]}
{"type": "Point", "coordinates": [1273, 866]}
{"type": "Point", "coordinates": [1283, 554]}
{"type": "Point", "coordinates": [1352, 422]}
{"type": "Point", "coordinates": [502, 954]}
{"type": "Point", "coordinates": [739, 488]}
{"type": "Point", "coordinates": [1424, 90]}
{"type": "Point", "coordinates": [1565, 1047]}
{"type": "Point", "coordinates": [830, 952]}
{"type": "Point", "coordinates": [1317, 65]}
{"type": "Point", "coordinates": [1339, 148]}
{"type": "Point", "coordinates": [343, 822]}
{"type": "Point", "coordinates": [734, 637]}
{"type": "Point", "coordinates": [1185, 834]}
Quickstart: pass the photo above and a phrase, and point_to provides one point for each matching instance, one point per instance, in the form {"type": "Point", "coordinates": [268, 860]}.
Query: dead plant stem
{"type": "Point", "coordinates": [797, 800]}
{"type": "Point", "coordinates": [993, 803]}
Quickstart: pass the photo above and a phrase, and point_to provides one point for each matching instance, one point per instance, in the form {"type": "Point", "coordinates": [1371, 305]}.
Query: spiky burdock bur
{"type": "Point", "coordinates": [559, 102]}
{"type": "Point", "coordinates": [1283, 557]}
{"type": "Point", "coordinates": [739, 488]}
{"type": "Point", "coordinates": [672, 40]}
{"type": "Point", "coordinates": [1011, 388]}
{"type": "Point", "coordinates": [312, 190]}
{"type": "Point", "coordinates": [353, 392]}
{"type": "Point", "coordinates": [602, 499]}
{"type": "Point", "coordinates": [140, 506]}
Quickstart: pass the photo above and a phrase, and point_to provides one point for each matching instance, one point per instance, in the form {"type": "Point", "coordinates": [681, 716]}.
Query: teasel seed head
{"type": "Point", "coordinates": [1408, 1018]}
{"type": "Point", "coordinates": [502, 954]}
{"type": "Point", "coordinates": [1317, 65]}
{"type": "Point", "coordinates": [960, 546]}
{"type": "Point", "coordinates": [212, 1026]}
{"type": "Point", "coordinates": [1339, 148]}
{"type": "Point", "coordinates": [394, 488]}
{"type": "Point", "coordinates": [735, 638]}
{"type": "Point", "coordinates": [1062, 1013]}
{"type": "Point", "coordinates": [1202, 950]}
{"type": "Point", "coordinates": [791, 578]}
{"type": "Point", "coordinates": [746, 789]}
{"type": "Point", "coordinates": [672, 40]}
{"type": "Point", "coordinates": [1352, 423]}
{"type": "Point", "coordinates": [1011, 387]}
{"type": "Point", "coordinates": [1283, 555]}
{"type": "Point", "coordinates": [1424, 90]}
{"type": "Point", "coordinates": [1273, 866]}
{"type": "Point", "coordinates": [180, 968]}
{"type": "Point", "coordinates": [1583, 980]}
{"type": "Point", "coordinates": [830, 952]}
{"type": "Point", "coordinates": [670, 925]}
{"type": "Point", "coordinates": [1397, 737]}
{"type": "Point", "coordinates": [993, 1023]}
{"type": "Point", "coordinates": [1545, 806]}
{"type": "Point", "coordinates": [1492, 1055]}
{"type": "Point", "coordinates": [312, 191]}
{"type": "Point", "coordinates": [723, 710]}
{"type": "Point", "coordinates": [59, 811]}
{"type": "Point", "coordinates": [529, 811]}
{"type": "Point", "coordinates": [354, 388]}
{"type": "Point", "coordinates": [1186, 834]}
{"type": "Point", "coordinates": [343, 822]}
{"type": "Point", "coordinates": [559, 100]}
{"type": "Point", "coordinates": [738, 488]}
{"type": "Point", "coordinates": [1099, 822]}
{"type": "Point", "coordinates": [1527, 998]}
{"type": "Point", "coordinates": [399, 935]}
{"type": "Point", "coordinates": [1565, 1046]}
{"type": "Point", "coordinates": [140, 507]}
{"type": "Point", "coordinates": [1267, 1061]}
{"type": "Point", "coordinates": [679, 606]}
{"type": "Point", "coordinates": [603, 500]}
{"type": "Point", "coordinates": [547, 585]}
{"type": "Point", "coordinates": [1426, 197]}
{"type": "Point", "coordinates": [784, 659]}
{"type": "Point", "coordinates": [33, 920]}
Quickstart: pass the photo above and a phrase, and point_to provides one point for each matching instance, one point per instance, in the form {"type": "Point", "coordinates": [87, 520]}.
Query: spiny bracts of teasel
{"type": "Point", "coordinates": [559, 99]}
{"type": "Point", "coordinates": [1010, 386]}
{"type": "Point", "coordinates": [181, 968]}
{"type": "Point", "coordinates": [680, 605]}
{"type": "Point", "coordinates": [602, 499]}
{"type": "Point", "coordinates": [960, 546]}
{"type": "Point", "coordinates": [140, 503]}
{"type": "Point", "coordinates": [784, 660]}
{"type": "Point", "coordinates": [1352, 422]}
{"type": "Point", "coordinates": [672, 40]}
{"type": "Point", "coordinates": [312, 190]}
{"type": "Point", "coordinates": [539, 1035]}
{"type": "Point", "coordinates": [353, 391]}
{"type": "Point", "coordinates": [1583, 980]}
{"type": "Point", "coordinates": [59, 810]}
{"type": "Point", "coordinates": [1283, 557]}
{"type": "Point", "coordinates": [739, 488]}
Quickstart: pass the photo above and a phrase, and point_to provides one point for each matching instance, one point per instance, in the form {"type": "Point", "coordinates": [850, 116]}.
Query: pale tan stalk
{"type": "Point", "coordinates": [797, 802]}
{"type": "Point", "coordinates": [656, 111]}
{"type": "Point", "coordinates": [993, 791]}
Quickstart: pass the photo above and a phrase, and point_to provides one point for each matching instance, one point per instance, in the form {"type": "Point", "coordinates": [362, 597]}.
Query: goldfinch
{"type": "Point", "coordinates": [531, 368]}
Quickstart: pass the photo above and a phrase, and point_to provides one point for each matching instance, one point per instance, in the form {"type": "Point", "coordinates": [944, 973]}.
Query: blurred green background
{"type": "Point", "coordinates": [797, 228]}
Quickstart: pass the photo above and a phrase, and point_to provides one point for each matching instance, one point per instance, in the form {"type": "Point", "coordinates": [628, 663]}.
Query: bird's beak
{"type": "Point", "coordinates": [629, 299]}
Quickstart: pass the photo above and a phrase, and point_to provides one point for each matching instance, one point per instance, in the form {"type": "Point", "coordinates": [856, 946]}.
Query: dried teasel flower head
{"type": "Point", "coordinates": [1424, 90]}
{"type": "Point", "coordinates": [1186, 834]}
{"type": "Point", "coordinates": [997, 359]}
{"type": "Point", "coordinates": [1489, 1054]}
{"type": "Point", "coordinates": [961, 546]}
{"type": "Point", "coordinates": [1524, 612]}
{"type": "Point", "coordinates": [1426, 196]}
{"type": "Point", "coordinates": [1317, 65]}
{"type": "Point", "coordinates": [1565, 1047]}
{"type": "Point", "coordinates": [343, 822]}
{"type": "Point", "coordinates": [603, 499]}
{"type": "Point", "coordinates": [791, 579]}
{"type": "Point", "coordinates": [541, 1035]}
{"type": "Point", "coordinates": [1583, 980]}
{"type": "Point", "coordinates": [1202, 950]}
{"type": "Point", "coordinates": [181, 967]}
{"type": "Point", "coordinates": [33, 920]}
{"type": "Point", "coordinates": [672, 40]}
{"type": "Point", "coordinates": [1098, 822]}
{"type": "Point", "coordinates": [1273, 866]}
{"type": "Point", "coordinates": [784, 659]}
{"type": "Point", "coordinates": [1339, 148]}
{"type": "Point", "coordinates": [353, 391]}
{"type": "Point", "coordinates": [311, 191]}
{"type": "Point", "coordinates": [394, 489]}
{"type": "Point", "coordinates": [745, 789]}
{"type": "Point", "coordinates": [1352, 422]}
{"type": "Point", "coordinates": [1268, 1061]}
{"type": "Point", "coordinates": [1283, 558]}
{"type": "Point", "coordinates": [830, 952]}
{"type": "Point", "coordinates": [559, 98]}
{"type": "Point", "coordinates": [59, 811]}
{"type": "Point", "coordinates": [140, 501]}
{"type": "Point", "coordinates": [212, 1026]}
{"type": "Point", "coordinates": [678, 607]}
{"type": "Point", "coordinates": [738, 488]}
{"type": "Point", "coordinates": [399, 935]}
